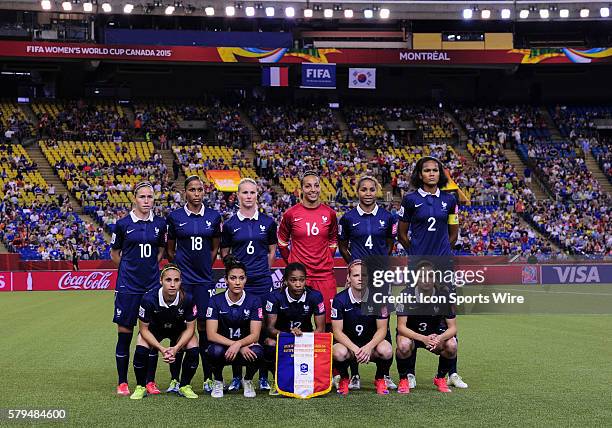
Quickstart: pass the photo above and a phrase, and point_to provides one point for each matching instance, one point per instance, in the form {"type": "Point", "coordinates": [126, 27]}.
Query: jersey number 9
{"type": "Point", "coordinates": [359, 329]}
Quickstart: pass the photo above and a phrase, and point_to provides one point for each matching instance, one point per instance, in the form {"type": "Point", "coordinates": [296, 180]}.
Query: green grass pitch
{"type": "Point", "coordinates": [523, 370]}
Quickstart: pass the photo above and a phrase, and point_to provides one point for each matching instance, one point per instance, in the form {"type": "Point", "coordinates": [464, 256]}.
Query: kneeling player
{"type": "Point", "coordinates": [167, 312]}
{"type": "Point", "coordinates": [359, 336]}
{"type": "Point", "coordinates": [233, 325]}
{"type": "Point", "coordinates": [423, 324]}
{"type": "Point", "coordinates": [290, 310]}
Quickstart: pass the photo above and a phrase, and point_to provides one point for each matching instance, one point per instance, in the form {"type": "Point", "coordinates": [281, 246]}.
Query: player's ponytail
{"type": "Point", "coordinates": [230, 262]}
{"type": "Point", "coordinates": [289, 269]}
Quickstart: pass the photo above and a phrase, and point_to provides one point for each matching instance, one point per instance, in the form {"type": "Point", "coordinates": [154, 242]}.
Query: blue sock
{"type": "Point", "coordinates": [152, 365]}
{"type": "Point", "coordinates": [122, 355]}
{"type": "Point", "coordinates": [452, 366]}
{"type": "Point", "coordinates": [175, 367]}
{"type": "Point", "coordinates": [190, 365]}
{"type": "Point", "coordinates": [141, 357]}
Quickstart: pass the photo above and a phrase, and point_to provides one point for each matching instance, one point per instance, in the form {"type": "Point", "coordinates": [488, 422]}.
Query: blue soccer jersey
{"type": "Point", "coordinates": [193, 233]}
{"type": "Point", "coordinates": [429, 216]}
{"type": "Point", "coordinates": [139, 242]}
{"type": "Point", "coordinates": [293, 313]}
{"type": "Point", "coordinates": [166, 316]}
{"type": "Point", "coordinates": [234, 317]}
{"type": "Point", "coordinates": [360, 328]}
{"type": "Point", "coordinates": [249, 239]}
{"type": "Point", "coordinates": [426, 318]}
{"type": "Point", "coordinates": [367, 233]}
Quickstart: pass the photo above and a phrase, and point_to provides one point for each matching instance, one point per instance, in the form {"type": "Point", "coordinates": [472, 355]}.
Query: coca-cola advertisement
{"type": "Point", "coordinates": [63, 280]}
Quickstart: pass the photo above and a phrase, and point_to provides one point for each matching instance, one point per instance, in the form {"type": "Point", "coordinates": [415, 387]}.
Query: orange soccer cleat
{"type": "Point", "coordinates": [343, 386]}
{"type": "Point", "coordinates": [123, 389]}
{"type": "Point", "coordinates": [152, 388]}
{"type": "Point", "coordinates": [381, 386]}
{"type": "Point", "coordinates": [403, 387]}
{"type": "Point", "coordinates": [441, 385]}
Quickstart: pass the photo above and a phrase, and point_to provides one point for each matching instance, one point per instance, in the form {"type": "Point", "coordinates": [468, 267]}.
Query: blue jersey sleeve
{"type": "Point", "coordinates": [272, 238]}
{"type": "Point", "coordinates": [256, 310]}
{"type": "Point", "coordinates": [343, 228]}
{"type": "Point", "coordinates": [336, 309]}
{"type": "Point", "coordinates": [406, 210]}
{"type": "Point", "coordinates": [226, 235]}
{"type": "Point", "coordinates": [212, 312]}
{"type": "Point", "coordinates": [162, 237]}
{"type": "Point", "coordinates": [272, 304]}
{"type": "Point", "coordinates": [171, 228]}
{"type": "Point", "coordinates": [317, 300]}
{"type": "Point", "coordinates": [145, 311]}
{"type": "Point", "coordinates": [391, 228]}
{"type": "Point", "coordinates": [217, 227]}
{"type": "Point", "coordinates": [118, 237]}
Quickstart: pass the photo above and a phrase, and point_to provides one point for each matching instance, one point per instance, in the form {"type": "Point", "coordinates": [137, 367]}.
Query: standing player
{"type": "Point", "coordinates": [251, 238]}
{"type": "Point", "coordinates": [167, 312]}
{"type": "Point", "coordinates": [233, 325]}
{"type": "Point", "coordinates": [291, 309]}
{"type": "Point", "coordinates": [194, 233]}
{"type": "Point", "coordinates": [431, 216]}
{"type": "Point", "coordinates": [425, 325]}
{"type": "Point", "coordinates": [312, 230]}
{"type": "Point", "coordinates": [137, 246]}
{"type": "Point", "coordinates": [366, 230]}
{"type": "Point", "coordinates": [360, 336]}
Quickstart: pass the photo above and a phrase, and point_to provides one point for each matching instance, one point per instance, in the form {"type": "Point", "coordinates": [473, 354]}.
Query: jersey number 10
{"type": "Point", "coordinates": [145, 251]}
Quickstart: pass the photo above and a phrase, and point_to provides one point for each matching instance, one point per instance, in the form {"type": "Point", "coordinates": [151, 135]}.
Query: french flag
{"type": "Point", "coordinates": [275, 76]}
{"type": "Point", "coordinates": [304, 364]}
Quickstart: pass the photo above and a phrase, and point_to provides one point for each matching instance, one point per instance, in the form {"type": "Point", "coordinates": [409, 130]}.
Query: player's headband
{"type": "Point", "coordinates": [168, 267]}
{"type": "Point", "coordinates": [310, 173]}
{"type": "Point", "coordinates": [191, 178]}
{"type": "Point", "coordinates": [354, 263]}
{"type": "Point", "coordinates": [143, 184]}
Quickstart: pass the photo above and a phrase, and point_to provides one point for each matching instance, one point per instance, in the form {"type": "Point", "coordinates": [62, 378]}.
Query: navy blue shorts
{"type": "Point", "coordinates": [126, 309]}
{"type": "Point", "coordinates": [163, 333]}
{"type": "Point", "coordinates": [260, 287]}
{"type": "Point", "coordinates": [201, 296]}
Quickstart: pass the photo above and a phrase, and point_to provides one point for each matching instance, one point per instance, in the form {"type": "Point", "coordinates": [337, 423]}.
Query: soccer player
{"type": "Point", "coordinates": [291, 309]}
{"type": "Point", "coordinates": [233, 324]}
{"type": "Point", "coordinates": [251, 237]}
{"type": "Point", "coordinates": [194, 234]}
{"type": "Point", "coordinates": [359, 336]}
{"type": "Point", "coordinates": [311, 228]}
{"type": "Point", "coordinates": [366, 230]}
{"type": "Point", "coordinates": [431, 215]}
{"type": "Point", "coordinates": [421, 324]}
{"type": "Point", "coordinates": [167, 312]}
{"type": "Point", "coordinates": [137, 246]}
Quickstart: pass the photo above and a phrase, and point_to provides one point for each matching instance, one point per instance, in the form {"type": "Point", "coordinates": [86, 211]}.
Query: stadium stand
{"type": "Point", "coordinates": [14, 123]}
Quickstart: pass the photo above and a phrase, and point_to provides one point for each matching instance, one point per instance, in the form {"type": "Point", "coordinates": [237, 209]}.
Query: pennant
{"type": "Point", "coordinates": [304, 364]}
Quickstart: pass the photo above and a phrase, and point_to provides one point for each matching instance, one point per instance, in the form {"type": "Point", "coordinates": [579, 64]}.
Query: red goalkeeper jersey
{"type": "Point", "coordinates": [313, 234]}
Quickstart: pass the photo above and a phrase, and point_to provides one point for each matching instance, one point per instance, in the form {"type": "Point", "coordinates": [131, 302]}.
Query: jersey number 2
{"type": "Point", "coordinates": [432, 223]}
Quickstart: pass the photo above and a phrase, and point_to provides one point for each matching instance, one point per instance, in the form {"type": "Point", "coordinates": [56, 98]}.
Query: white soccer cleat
{"type": "Point", "coordinates": [412, 381]}
{"type": "Point", "coordinates": [217, 391]}
{"type": "Point", "coordinates": [249, 389]}
{"type": "Point", "coordinates": [456, 381]}
{"type": "Point", "coordinates": [355, 382]}
{"type": "Point", "coordinates": [390, 383]}
{"type": "Point", "coordinates": [336, 381]}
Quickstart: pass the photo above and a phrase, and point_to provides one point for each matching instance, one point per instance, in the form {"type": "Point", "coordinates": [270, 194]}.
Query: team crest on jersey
{"type": "Point", "coordinates": [118, 312]}
{"type": "Point", "coordinates": [181, 312]}
{"type": "Point", "coordinates": [444, 204]}
{"type": "Point", "coordinates": [306, 308]}
{"type": "Point", "coordinates": [208, 312]}
{"type": "Point", "coordinates": [247, 312]}
{"type": "Point", "coordinates": [382, 223]}
{"type": "Point", "coordinates": [262, 228]}
{"type": "Point", "coordinates": [208, 224]}
{"type": "Point", "coordinates": [156, 231]}
{"type": "Point", "coordinates": [324, 219]}
{"type": "Point", "coordinates": [141, 312]}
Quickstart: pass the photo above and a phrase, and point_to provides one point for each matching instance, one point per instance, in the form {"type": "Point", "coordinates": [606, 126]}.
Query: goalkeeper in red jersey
{"type": "Point", "coordinates": [308, 234]}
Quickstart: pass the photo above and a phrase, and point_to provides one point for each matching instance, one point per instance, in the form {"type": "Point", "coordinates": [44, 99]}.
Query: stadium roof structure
{"type": "Point", "coordinates": [332, 10]}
